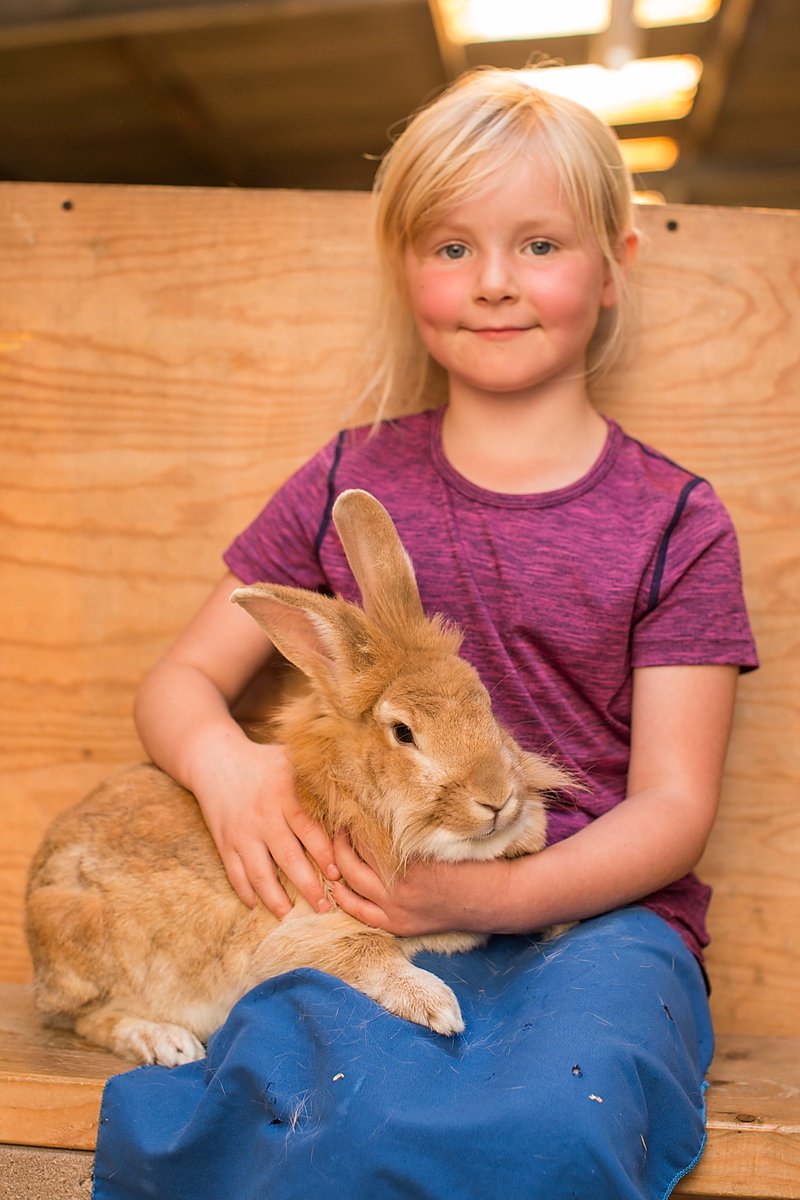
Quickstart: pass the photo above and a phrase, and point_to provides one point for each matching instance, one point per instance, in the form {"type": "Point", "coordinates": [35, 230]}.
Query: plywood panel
{"type": "Point", "coordinates": [715, 386]}
{"type": "Point", "coordinates": [167, 357]}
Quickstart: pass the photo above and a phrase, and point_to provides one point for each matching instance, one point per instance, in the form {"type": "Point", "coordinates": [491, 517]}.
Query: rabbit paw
{"type": "Point", "coordinates": [422, 998]}
{"type": "Point", "coordinates": [164, 1044]}
{"type": "Point", "coordinates": [555, 931]}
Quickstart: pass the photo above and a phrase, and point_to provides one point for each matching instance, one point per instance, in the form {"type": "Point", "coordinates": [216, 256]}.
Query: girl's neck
{"type": "Point", "coordinates": [523, 446]}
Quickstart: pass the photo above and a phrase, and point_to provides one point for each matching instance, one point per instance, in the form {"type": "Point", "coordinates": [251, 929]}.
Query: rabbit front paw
{"type": "Point", "coordinates": [418, 996]}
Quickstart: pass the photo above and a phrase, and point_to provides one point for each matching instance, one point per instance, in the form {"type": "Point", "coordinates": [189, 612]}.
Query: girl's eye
{"type": "Point", "coordinates": [454, 251]}
{"type": "Point", "coordinates": [403, 734]}
{"type": "Point", "coordinates": [541, 247]}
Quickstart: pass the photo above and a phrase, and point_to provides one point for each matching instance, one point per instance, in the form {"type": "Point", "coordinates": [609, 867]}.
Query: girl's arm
{"type": "Point", "coordinates": [245, 790]}
{"type": "Point", "coordinates": [680, 729]}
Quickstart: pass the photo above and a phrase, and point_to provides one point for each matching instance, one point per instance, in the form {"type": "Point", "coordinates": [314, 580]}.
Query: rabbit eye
{"type": "Point", "coordinates": [403, 734]}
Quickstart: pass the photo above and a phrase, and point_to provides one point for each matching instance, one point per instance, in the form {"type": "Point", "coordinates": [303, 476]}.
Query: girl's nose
{"type": "Point", "coordinates": [495, 279]}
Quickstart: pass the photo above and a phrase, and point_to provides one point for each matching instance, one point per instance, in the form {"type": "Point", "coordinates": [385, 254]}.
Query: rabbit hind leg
{"type": "Point", "coordinates": [139, 1038]}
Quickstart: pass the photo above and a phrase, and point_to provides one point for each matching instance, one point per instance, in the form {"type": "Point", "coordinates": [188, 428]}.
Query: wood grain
{"type": "Point", "coordinates": [51, 1083]}
{"type": "Point", "coordinates": [715, 386]}
{"type": "Point", "coordinates": [168, 356]}
{"type": "Point", "coordinates": [753, 1121]}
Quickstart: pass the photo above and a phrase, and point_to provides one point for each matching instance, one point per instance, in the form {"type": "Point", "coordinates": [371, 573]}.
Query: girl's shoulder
{"type": "Point", "coordinates": [391, 457]}
{"type": "Point", "coordinates": [658, 481]}
{"type": "Point", "coordinates": [382, 442]}
{"type": "Point", "coordinates": [406, 434]}
{"type": "Point", "coordinates": [651, 467]}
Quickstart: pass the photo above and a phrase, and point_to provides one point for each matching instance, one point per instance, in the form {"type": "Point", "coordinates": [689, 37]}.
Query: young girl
{"type": "Point", "coordinates": [598, 588]}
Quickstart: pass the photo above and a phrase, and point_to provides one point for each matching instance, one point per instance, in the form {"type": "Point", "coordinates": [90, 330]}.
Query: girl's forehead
{"type": "Point", "coordinates": [527, 186]}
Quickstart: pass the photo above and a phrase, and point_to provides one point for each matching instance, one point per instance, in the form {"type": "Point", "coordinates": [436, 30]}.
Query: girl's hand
{"type": "Point", "coordinates": [427, 898]}
{"type": "Point", "coordinates": [245, 789]}
{"type": "Point", "coordinates": [257, 823]}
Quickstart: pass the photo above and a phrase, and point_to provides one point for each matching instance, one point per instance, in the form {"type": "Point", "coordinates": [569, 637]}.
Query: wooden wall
{"type": "Point", "coordinates": [168, 356]}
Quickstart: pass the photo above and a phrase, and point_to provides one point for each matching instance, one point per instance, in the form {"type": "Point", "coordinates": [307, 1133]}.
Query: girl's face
{"type": "Point", "coordinates": [504, 291]}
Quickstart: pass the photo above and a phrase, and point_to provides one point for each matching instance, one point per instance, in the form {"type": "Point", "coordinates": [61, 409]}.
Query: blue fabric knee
{"type": "Point", "coordinates": [580, 1074]}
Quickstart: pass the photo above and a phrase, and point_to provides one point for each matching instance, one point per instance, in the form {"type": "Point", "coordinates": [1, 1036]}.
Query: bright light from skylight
{"type": "Point", "coordinates": [644, 155]}
{"type": "Point", "coordinates": [648, 89]}
{"type": "Point", "coordinates": [471, 21]}
{"type": "Point", "coordinates": [673, 12]}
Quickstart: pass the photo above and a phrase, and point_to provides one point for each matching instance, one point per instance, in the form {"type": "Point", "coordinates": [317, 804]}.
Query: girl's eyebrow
{"type": "Point", "coordinates": [445, 228]}
{"type": "Point", "coordinates": [539, 220]}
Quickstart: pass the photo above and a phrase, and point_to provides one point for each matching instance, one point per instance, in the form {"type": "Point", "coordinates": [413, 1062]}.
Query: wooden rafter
{"type": "Point", "coordinates": [179, 105]}
{"type": "Point", "coordinates": [621, 40]}
{"type": "Point", "coordinates": [453, 56]}
{"type": "Point", "coordinates": [734, 19]}
{"type": "Point", "coordinates": [42, 22]}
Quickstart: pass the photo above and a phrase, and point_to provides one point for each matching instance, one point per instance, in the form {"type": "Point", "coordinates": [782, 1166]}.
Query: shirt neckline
{"type": "Point", "coordinates": [593, 476]}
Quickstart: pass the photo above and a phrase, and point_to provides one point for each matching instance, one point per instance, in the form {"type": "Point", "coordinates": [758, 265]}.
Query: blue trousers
{"type": "Point", "coordinates": [579, 1075]}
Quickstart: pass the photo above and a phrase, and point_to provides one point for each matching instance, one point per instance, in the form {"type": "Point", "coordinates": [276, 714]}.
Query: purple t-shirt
{"type": "Point", "coordinates": [559, 594]}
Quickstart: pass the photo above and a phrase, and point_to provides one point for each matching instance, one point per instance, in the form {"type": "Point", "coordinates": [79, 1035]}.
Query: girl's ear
{"type": "Point", "coordinates": [628, 248]}
{"type": "Point", "coordinates": [379, 562]}
{"type": "Point", "coordinates": [624, 255]}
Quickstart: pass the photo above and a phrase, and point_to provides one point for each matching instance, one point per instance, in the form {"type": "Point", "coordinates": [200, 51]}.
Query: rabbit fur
{"type": "Point", "coordinates": [139, 942]}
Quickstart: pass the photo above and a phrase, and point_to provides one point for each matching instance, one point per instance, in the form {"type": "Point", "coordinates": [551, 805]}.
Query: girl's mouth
{"type": "Point", "coordinates": [503, 334]}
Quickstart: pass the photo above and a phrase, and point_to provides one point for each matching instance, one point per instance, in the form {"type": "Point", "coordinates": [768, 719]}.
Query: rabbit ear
{"type": "Point", "coordinates": [379, 562]}
{"type": "Point", "coordinates": [316, 633]}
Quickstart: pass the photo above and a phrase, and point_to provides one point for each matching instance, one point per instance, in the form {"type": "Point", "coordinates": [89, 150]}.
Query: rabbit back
{"type": "Point", "coordinates": [127, 897]}
{"type": "Point", "coordinates": [140, 944]}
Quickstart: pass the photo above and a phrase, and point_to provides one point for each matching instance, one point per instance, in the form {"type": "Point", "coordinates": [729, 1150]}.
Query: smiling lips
{"type": "Point", "coordinates": [501, 335]}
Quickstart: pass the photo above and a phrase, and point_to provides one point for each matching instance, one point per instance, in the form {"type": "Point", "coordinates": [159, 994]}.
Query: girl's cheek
{"type": "Point", "coordinates": [574, 295]}
{"type": "Point", "coordinates": [435, 298]}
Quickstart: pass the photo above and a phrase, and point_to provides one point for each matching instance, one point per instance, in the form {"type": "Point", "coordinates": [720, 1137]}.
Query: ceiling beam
{"type": "Point", "coordinates": [453, 55]}
{"type": "Point", "coordinates": [767, 183]}
{"type": "Point", "coordinates": [622, 41]}
{"type": "Point", "coordinates": [178, 105]}
{"type": "Point", "coordinates": [25, 23]}
{"type": "Point", "coordinates": [718, 64]}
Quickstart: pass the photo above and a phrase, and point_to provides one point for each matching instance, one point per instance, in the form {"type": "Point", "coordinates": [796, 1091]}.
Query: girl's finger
{"type": "Point", "coordinates": [314, 839]}
{"type": "Point", "coordinates": [356, 906]}
{"type": "Point", "coordinates": [263, 878]}
{"type": "Point", "coordinates": [359, 875]}
{"type": "Point", "coordinates": [288, 853]}
{"type": "Point", "coordinates": [234, 869]}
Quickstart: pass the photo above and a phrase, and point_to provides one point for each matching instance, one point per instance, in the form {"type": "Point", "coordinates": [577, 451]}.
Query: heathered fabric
{"type": "Point", "coordinates": [559, 595]}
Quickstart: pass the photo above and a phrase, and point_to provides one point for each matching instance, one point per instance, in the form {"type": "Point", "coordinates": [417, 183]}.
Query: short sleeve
{"type": "Point", "coordinates": [692, 605]}
{"type": "Point", "coordinates": [282, 544]}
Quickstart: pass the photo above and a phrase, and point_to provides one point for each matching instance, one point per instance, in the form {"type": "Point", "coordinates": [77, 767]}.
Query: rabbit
{"type": "Point", "coordinates": [138, 940]}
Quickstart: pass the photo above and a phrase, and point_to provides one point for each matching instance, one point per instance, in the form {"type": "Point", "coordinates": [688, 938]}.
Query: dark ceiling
{"type": "Point", "coordinates": [303, 93]}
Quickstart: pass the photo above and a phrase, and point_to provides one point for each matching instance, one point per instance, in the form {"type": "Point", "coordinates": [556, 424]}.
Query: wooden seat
{"type": "Point", "coordinates": [167, 357]}
{"type": "Point", "coordinates": [51, 1084]}
{"type": "Point", "coordinates": [51, 1081]}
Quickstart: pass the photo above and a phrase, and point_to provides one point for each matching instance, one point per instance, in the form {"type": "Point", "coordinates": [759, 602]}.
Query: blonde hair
{"type": "Point", "coordinates": [445, 154]}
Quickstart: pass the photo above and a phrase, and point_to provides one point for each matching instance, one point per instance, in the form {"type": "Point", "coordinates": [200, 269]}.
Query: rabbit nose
{"type": "Point", "coordinates": [494, 806]}
{"type": "Point", "coordinates": [489, 783]}
{"type": "Point", "coordinates": [496, 811]}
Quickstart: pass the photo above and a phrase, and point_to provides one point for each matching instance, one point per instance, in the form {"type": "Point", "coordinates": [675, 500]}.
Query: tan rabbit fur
{"type": "Point", "coordinates": [137, 938]}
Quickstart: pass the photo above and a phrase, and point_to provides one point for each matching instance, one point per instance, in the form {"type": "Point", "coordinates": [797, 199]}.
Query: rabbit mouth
{"type": "Point", "coordinates": [503, 823]}
{"type": "Point", "coordinates": [451, 845]}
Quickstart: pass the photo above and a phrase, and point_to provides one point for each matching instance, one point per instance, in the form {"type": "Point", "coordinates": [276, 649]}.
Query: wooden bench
{"type": "Point", "coordinates": [167, 357]}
